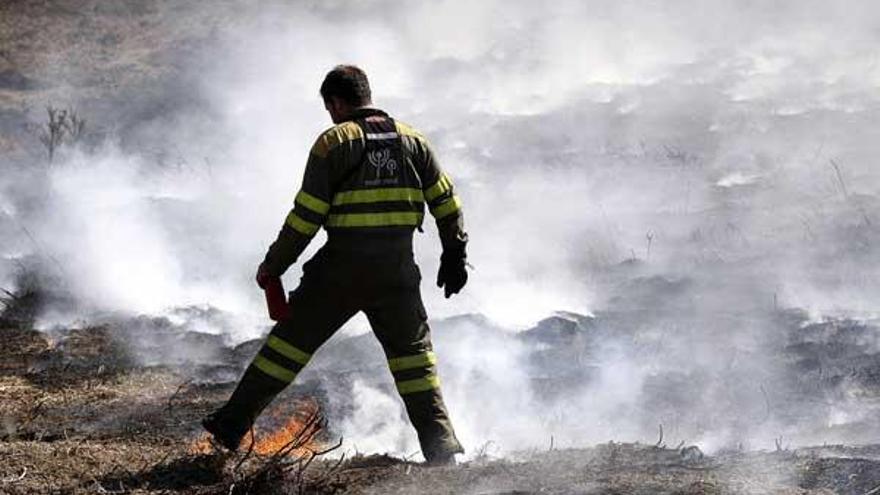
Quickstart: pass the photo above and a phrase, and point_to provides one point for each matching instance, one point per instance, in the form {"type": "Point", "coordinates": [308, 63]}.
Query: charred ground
{"type": "Point", "coordinates": [82, 414]}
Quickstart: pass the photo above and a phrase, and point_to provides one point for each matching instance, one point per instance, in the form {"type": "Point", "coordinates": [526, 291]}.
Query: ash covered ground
{"type": "Point", "coordinates": [82, 414]}
{"type": "Point", "coordinates": [674, 220]}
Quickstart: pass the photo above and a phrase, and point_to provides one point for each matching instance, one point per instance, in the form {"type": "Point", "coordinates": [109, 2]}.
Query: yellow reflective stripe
{"type": "Point", "coordinates": [274, 370]}
{"type": "Point", "coordinates": [386, 219]}
{"type": "Point", "coordinates": [333, 137]}
{"type": "Point", "coordinates": [411, 362]}
{"type": "Point", "coordinates": [316, 205]}
{"type": "Point", "coordinates": [446, 208]}
{"type": "Point", "coordinates": [377, 195]}
{"type": "Point", "coordinates": [407, 130]}
{"type": "Point", "coordinates": [300, 225]}
{"type": "Point", "coordinates": [429, 382]}
{"type": "Point", "coordinates": [443, 185]}
{"type": "Point", "coordinates": [288, 351]}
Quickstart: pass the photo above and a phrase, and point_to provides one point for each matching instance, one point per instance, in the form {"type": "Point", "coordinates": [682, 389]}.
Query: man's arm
{"type": "Point", "coordinates": [443, 203]}
{"type": "Point", "coordinates": [305, 219]}
{"type": "Point", "coordinates": [445, 207]}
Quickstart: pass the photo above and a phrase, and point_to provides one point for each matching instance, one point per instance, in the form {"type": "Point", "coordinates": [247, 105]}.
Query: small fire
{"type": "Point", "coordinates": [202, 445]}
{"type": "Point", "coordinates": [277, 439]}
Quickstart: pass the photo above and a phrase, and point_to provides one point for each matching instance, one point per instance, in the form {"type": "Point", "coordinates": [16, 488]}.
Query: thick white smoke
{"type": "Point", "coordinates": [721, 151]}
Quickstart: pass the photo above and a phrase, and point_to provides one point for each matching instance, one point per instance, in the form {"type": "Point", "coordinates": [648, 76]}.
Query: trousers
{"type": "Point", "coordinates": [336, 285]}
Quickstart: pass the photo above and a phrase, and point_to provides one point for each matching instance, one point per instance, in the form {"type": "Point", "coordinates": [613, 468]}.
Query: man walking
{"type": "Point", "coordinates": [366, 182]}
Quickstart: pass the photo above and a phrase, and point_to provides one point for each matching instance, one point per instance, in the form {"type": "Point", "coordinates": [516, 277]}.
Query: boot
{"type": "Point", "coordinates": [224, 430]}
{"type": "Point", "coordinates": [428, 415]}
{"type": "Point", "coordinates": [440, 451]}
{"type": "Point", "coordinates": [230, 423]}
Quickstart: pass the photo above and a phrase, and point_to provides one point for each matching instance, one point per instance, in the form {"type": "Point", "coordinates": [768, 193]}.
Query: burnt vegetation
{"type": "Point", "coordinates": [80, 414]}
{"type": "Point", "coordinates": [63, 127]}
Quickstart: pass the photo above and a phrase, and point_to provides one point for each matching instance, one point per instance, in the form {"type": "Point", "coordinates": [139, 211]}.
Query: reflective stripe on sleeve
{"type": "Point", "coordinates": [429, 382]}
{"type": "Point", "coordinates": [443, 185]}
{"type": "Point", "coordinates": [287, 350]}
{"type": "Point", "coordinates": [446, 208]}
{"type": "Point", "coordinates": [387, 219]}
{"type": "Point", "coordinates": [316, 205]}
{"type": "Point", "coordinates": [300, 225]}
{"type": "Point", "coordinates": [378, 195]}
{"type": "Point", "coordinates": [274, 370]}
{"type": "Point", "coordinates": [423, 360]}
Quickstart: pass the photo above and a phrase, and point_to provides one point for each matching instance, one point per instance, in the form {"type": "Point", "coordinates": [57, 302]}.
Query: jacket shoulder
{"type": "Point", "coordinates": [405, 129]}
{"type": "Point", "coordinates": [336, 135]}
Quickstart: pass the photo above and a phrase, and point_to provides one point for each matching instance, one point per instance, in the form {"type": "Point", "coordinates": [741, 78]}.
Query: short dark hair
{"type": "Point", "coordinates": [349, 83]}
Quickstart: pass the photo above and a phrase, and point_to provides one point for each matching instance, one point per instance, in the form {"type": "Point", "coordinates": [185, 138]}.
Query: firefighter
{"type": "Point", "coordinates": [367, 181]}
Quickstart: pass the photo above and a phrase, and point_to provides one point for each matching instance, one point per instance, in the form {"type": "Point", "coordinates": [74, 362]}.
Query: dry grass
{"type": "Point", "coordinates": [78, 417]}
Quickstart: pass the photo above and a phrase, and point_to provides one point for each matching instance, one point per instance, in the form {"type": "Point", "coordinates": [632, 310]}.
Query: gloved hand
{"type": "Point", "coordinates": [452, 275]}
{"type": "Point", "coordinates": [263, 276]}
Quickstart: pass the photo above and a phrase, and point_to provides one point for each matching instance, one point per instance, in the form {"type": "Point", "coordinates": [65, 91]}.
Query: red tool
{"type": "Point", "coordinates": [276, 300]}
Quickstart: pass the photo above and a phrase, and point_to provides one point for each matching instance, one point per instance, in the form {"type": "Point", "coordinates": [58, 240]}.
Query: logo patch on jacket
{"type": "Point", "coordinates": [384, 165]}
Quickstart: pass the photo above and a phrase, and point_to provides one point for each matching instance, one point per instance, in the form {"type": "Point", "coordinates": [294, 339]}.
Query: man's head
{"type": "Point", "coordinates": [345, 88]}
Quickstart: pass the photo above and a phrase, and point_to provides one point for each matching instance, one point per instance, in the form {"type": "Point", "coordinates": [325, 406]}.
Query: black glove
{"type": "Point", "coordinates": [453, 274]}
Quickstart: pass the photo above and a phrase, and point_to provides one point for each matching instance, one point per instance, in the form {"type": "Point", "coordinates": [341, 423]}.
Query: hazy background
{"type": "Point", "coordinates": [679, 170]}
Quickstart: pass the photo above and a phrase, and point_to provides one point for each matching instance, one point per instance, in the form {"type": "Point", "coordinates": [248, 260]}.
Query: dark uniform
{"type": "Point", "coordinates": [366, 182]}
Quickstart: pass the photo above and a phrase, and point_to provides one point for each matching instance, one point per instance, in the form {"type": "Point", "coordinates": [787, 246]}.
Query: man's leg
{"type": "Point", "coordinates": [315, 314]}
{"type": "Point", "coordinates": [400, 323]}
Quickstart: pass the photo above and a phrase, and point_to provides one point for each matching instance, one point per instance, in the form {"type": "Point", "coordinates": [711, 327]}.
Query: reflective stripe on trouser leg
{"type": "Point", "coordinates": [280, 359]}
{"type": "Point", "coordinates": [415, 373]}
{"type": "Point", "coordinates": [273, 368]}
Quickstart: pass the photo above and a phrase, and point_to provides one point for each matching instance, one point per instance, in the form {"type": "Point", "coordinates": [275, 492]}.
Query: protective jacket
{"type": "Point", "coordinates": [366, 182]}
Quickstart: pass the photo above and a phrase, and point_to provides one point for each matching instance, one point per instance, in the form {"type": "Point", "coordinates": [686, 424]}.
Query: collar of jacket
{"type": "Point", "coordinates": [364, 112]}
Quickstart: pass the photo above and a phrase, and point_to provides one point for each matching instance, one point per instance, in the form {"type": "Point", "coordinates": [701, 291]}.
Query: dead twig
{"type": "Point", "coordinates": [839, 178]}
{"type": "Point", "coordinates": [763, 390]}
{"type": "Point", "coordinates": [659, 443]}
{"type": "Point", "coordinates": [873, 491]}
{"type": "Point", "coordinates": [170, 406]}
{"type": "Point", "coordinates": [282, 462]}
{"type": "Point", "coordinates": [247, 454]}
{"type": "Point", "coordinates": [338, 464]}
{"type": "Point", "coordinates": [63, 126]}
{"type": "Point", "coordinates": [35, 411]}
{"type": "Point", "coordinates": [328, 450]}
{"type": "Point", "coordinates": [482, 452]}
{"type": "Point", "coordinates": [17, 478]}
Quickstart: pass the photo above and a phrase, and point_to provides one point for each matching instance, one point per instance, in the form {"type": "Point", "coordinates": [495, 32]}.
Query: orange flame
{"type": "Point", "coordinates": [278, 439]}
{"type": "Point", "coordinates": [202, 445]}
{"type": "Point", "coordinates": [271, 442]}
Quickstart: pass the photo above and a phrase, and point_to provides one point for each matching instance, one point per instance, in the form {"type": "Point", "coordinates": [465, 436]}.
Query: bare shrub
{"type": "Point", "coordinates": [64, 126]}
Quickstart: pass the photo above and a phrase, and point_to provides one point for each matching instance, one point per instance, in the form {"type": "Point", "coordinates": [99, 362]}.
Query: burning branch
{"type": "Point", "coordinates": [293, 457]}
